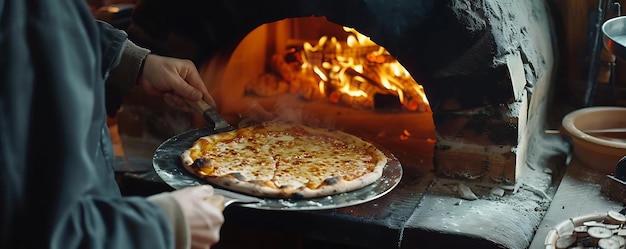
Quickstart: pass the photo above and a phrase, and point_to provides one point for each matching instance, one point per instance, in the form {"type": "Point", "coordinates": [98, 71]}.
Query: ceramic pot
{"type": "Point", "coordinates": [597, 149]}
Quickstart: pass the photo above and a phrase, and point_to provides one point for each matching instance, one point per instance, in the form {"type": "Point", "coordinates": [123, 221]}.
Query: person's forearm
{"type": "Point", "coordinates": [123, 77]}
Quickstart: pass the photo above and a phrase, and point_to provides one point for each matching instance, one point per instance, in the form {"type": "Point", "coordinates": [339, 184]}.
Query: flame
{"type": "Point", "coordinates": [354, 93]}
{"type": "Point", "coordinates": [358, 38]}
{"type": "Point", "coordinates": [322, 88]}
{"type": "Point", "coordinates": [321, 84]}
{"type": "Point", "coordinates": [420, 89]}
{"type": "Point", "coordinates": [385, 82]}
{"type": "Point", "coordinates": [358, 68]}
{"type": "Point", "coordinates": [319, 73]}
{"type": "Point", "coordinates": [352, 41]}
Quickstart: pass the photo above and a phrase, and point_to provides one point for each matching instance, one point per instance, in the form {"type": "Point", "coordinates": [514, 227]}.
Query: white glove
{"type": "Point", "coordinates": [205, 219]}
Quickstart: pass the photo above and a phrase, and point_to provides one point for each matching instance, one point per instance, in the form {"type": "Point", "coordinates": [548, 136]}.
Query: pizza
{"type": "Point", "coordinates": [285, 160]}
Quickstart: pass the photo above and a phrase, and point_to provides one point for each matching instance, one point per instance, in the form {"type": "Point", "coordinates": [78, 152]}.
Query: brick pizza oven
{"type": "Point", "coordinates": [486, 66]}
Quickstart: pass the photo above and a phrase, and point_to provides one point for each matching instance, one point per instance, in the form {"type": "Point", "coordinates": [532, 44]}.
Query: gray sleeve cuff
{"type": "Point", "coordinates": [175, 215]}
{"type": "Point", "coordinates": [126, 74]}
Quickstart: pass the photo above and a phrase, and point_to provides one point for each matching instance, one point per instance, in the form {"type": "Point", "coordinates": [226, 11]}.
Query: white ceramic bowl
{"type": "Point", "coordinates": [597, 152]}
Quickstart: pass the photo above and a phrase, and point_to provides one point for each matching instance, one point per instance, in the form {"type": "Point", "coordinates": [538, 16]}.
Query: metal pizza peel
{"type": "Point", "coordinates": [168, 166]}
{"type": "Point", "coordinates": [217, 122]}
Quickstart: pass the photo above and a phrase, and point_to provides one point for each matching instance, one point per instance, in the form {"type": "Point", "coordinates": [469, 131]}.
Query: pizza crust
{"type": "Point", "coordinates": [282, 160]}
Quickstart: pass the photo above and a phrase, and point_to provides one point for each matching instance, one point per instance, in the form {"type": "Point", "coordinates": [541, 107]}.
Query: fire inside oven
{"type": "Point", "coordinates": [316, 72]}
{"type": "Point", "coordinates": [318, 60]}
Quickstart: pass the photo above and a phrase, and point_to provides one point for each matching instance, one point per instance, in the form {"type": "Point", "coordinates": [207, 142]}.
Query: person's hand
{"type": "Point", "coordinates": [175, 79]}
{"type": "Point", "coordinates": [204, 218]}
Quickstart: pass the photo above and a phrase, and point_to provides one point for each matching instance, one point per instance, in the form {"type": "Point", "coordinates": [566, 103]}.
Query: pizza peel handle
{"type": "Point", "coordinates": [210, 114]}
{"type": "Point", "coordinates": [221, 201]}
{"type": "Point", "coordinates": [228, 197]}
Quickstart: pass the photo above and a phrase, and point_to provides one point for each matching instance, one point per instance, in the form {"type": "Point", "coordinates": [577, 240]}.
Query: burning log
{"type": "Point", "coordinates": [267, 85]}
{"type": "Point", "coordinates": [281, 67]}
{"type": "Point", "coordinates": [339, 97]}
{"type": "Point", "coordinates": [357, 73]}
{"type": "Point", "coordinates": [386, 101]}
{"type": "Point", "coordinates": [309, 89]}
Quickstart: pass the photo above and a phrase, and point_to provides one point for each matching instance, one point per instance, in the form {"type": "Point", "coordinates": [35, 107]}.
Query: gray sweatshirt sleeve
{"type": "Point", "coordinates": [57, 183]}
{"type": "Point", "coordinates": [174, 213]}
{"type": "Point", "coordinates": [123, 78]}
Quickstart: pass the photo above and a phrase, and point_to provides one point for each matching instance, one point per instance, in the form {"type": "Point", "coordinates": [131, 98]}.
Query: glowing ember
{"type": "Point", "coordinates": [405, 135]}
{"type": "Point", "coordinates": [356, 72]}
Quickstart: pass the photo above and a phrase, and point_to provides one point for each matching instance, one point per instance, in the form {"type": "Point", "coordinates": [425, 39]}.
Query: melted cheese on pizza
{"type": "Point", "coordinates": [310, 160]}
{"type": "Point", "coordinates": [278, 157]}
{"type": "Point", "coordinates": [235, 155]}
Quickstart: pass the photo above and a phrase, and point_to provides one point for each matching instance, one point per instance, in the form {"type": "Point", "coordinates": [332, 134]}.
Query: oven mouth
{"type": "Point", "coordinates": [328, 63]}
